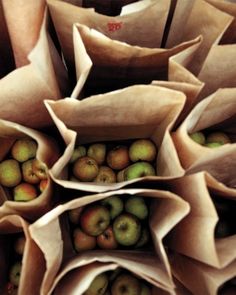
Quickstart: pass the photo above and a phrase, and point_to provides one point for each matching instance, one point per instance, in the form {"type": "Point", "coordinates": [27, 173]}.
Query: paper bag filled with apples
{"type": "Point", "coordinates": [22, 263]}
{"type": "Point", "coordinates": [130, 220]}
{"type": "Point", "coordinates": [26, 155]}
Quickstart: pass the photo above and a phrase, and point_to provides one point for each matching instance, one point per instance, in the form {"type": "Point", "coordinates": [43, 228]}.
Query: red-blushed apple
{"type": "Point", "coordinates": [198, 137]}
{"type": "Point", "coordinates": [82, 241]}
{"type": "Point", "coordinates": [15, 272]}
{"type": "Point", "coordinates": [139, 169]}
{"type": "Point", "coordinates": [142, 150]}
{"type": "Point", "coordinates": [19, 244]}
{"type": "Point", "coordinates": [126, 284]}
{"type": "Point", "coordinates": [105, 175]}
{"type": "Point", "coordinates": [137, 206]}
{"type": "Point", "coordinates": [127, 229]}
{"type": "Point", "coordinates": [28, 172]}
{"type": "Point", "coordinates": [106, 240]}
{"type": "Point", "coordinates": [40, 169]}
{"type": "Point", "coordinates": [85, 169]}
{"type": "Point", "coordinates": [94, 219]}
{"type": "Point", "coordinates": [24, 192]}
{"type": "Point", "coordinates": [219, 137]}
{"type": "Point", "coordinates": [118, 157]}
{"type": "Point", "coordinates": [114, 204]}
{"type": "Point", "coordinates": [10, 173]}
{"type": "Point", "coordinates": [78, 152]}
{"type": "Point", "coordinates": [24, 149]}
{"type": "Point", "coordinates": [97, 151]}
{"type": "Point", "coordinates": [74, 215]}
{"type": "Point", "coordinates": [98, 286]}
{"type": "Point", "coordinates": [43, 184]}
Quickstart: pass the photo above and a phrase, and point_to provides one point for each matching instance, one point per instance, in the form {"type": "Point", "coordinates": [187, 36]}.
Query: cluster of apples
{"type": "Point", "coordinates": [110, 224]}
{"type": "Point", "coordinates": [211, 140]}
{"type": "Point", "coordinates": [21, 172]}
{"type": "Point", "coordinates": [118, 282]}
{"type": "Point", "coordinates": [106, 163]}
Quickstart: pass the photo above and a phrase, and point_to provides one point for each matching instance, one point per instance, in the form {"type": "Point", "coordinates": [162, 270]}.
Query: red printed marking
{"type": "Point", "coordinates": [112, 27]}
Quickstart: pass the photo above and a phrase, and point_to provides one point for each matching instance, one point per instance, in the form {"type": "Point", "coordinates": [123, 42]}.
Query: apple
{"type": "Point", "coordinates": [24, 149]}
{"type": "Point", "coordinates": [14, 275]}
{"type": "Point", "coordinates": [74, 215]}
{"type": "Point", "coordinates": [142, 150]}
{"type": "Point", "coordinates": [94, 219]}
{"type": "Point", "coordinates": [97, 151]}
{"type": "Point", "coordinates": [126, 284]}
{"type": "Point", "coordinates": [118, 157]}
{"type": "Point", "coordinates": [28, 173]}
{"type": "Point", "coordinates": [219, 137]}
{"type": "Point", "coordinates": [10, 173]}
{"type": "Point", "coordinates": [98, 286]}
{"type": "Point", "coordinates": [198, 137]}
{"type": "Point", "coordinates": [40, 169]}
{"type": "Point", "coordinates": [213, 144]}
{"type": "Point", "coordinates": [82, 241]}
{"type": "Point", "coordinates": [145, 290]}
{"type": "Point", "coordinates": [105, 175]}
{"type": "Point", "coordinates": [114, 204]}
{"type": "Point", "coordinates": [19, 244]}
{"type": "Point", "coordinates": [127, 229]}
{"type": "Point", "coordinates": [144, 238]}
{"type": "Point", "coordinates": [24, 192]}
{"type": "Point", "coordinates": [139, 169]}
{"type": "Point", "coordinates": [120, 176]}
{"type": "Point", "coordinates": [106, 240]}
{"type": "Point", "coordinates": [136, 206]}
{"type": "Point", "coordinates": [43, 184]}
{"type": "Point", "coordinates": [85, 169]}
{"type": "Point", "coordinates": [78, 152]}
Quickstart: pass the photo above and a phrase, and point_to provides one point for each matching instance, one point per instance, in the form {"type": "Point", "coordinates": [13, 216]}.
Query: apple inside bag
{"type": "Point", "coordinates": [26, 155]}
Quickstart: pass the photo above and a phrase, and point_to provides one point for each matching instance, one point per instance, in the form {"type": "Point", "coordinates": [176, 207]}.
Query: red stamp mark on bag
{"type": "Point", "coordinates": [114, 26]}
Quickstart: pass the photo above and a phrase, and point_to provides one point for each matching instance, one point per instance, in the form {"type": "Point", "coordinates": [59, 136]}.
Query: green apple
{"type": "Point", "coordinates": [24, 149]}
{"type": "Point", "coordinates": [127, 229]}
{"type": "Point", "coordinates": [40, 169]}
{"type": "Point", "coordinates": [14, 274]}
{"type": "Point", "coordinates": [106, 240]}
{"type": "Point", "coordinates": [78, 152]}
{"type": "Point", "coordinates": [118, 157]}
{"type": "Point", "coordinates": [137, 206]}
{"type": "Point", "coordinates": [82, 241]}
{"type": "Point", "coordinates": [126, 284]}
{"type": "Point", "coordinates": [97, 151]}
{"type": "Point", "coordinates": [114, 204]}
{"type": "Point", "coordinates": [85, 169]}
{"type": "Point", "coordinates": [105, 175]}
{"type": "Point", "coordinates": [94, 219]}
{"type": "Point", "coordinates": [139, 169]}
{"type": "Point", "coordinates": [19, 244]}
{"type": "Point", "coordinates": [213, 145]}
{"type": "Point", "coordinates": [10, 173]}
{"type": "Point", "coordinates": [142, 150]}
{"type": "Point", "coordinates": [219, 137]}
{"type": "Point", "coordinates": [145, 290]}
{"type": "Point", "coordinates": [28, 173]}
{"type": "Point", "coordinates": [198, 137]}
{"type": "Point", "coordinates": [24, 192]}
{"type": "Point", "coordinates": [144, 238]}
{"type": "Point", "coordinates": [98, 286]}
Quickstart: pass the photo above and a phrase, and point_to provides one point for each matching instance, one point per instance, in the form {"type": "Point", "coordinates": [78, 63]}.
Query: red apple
{"type": "Point", "coordinates": [106, 240]}
{"type": "Point", "coordinates": [118, 157]}
{"type": "Point", "coordinates": [82, 241]}
{"type": "Point", "coordinates": [105, 175]}
{"type": "Point", "coordinates": [24, 192]}
{"type": "Point", "coordinates": [28, 173]}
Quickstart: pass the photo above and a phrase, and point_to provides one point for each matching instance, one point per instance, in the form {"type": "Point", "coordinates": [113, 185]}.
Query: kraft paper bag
{"type": "Point", "coordinates": [33, 265]}
{"type": "Point", "coordinates": [214, 113]}
{"type": "Point", "coordinates": [198, 17]}
{"type": "Point", "coordinates": [166, 210]}
{"type": "Point", "coordinates": [24, 89]}
{"type": "Point", "coordinates": [140, 111]}
{"type": "Point", "coordinates": [200, 278]}
{"type": "Point", "coordinates": [143, 27]}
{"type": "Point", "coordinates": [47, 152]}
{"type": "Point", "coordinates": [195, 235]}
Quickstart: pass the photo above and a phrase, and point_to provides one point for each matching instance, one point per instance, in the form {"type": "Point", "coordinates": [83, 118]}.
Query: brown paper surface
{"type": "Point", "coordinates": [47, 152]}
{"type": "Point", "coordinates": [33, 265]}
{"type": "Point", "coordinates": [193, 18]}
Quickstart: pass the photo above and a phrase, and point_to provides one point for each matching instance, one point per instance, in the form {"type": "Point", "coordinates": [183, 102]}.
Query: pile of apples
{"type": "Point", "coordinates": [211, 140]}
{"type": "Point", "coordinates": [109, 163]}
{"type": "Point", "coordinates": [118, 282]}
{"type": "Point", "coordinates": [111, 224]}
{"type": "Point", "coordinates": [21, 172]}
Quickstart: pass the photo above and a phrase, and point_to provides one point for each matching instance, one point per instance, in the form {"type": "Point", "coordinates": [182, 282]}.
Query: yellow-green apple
{"type": "Point", "coordinates": [198, 137]}
{"type": "Point", "coordinates": [14, 274]}
{"type": "Point", "coordinates": [139, 169]}
{"type": "Point", "coordinates": [118, 157]}
{"type": "Point", "coordinates": [136, 206]}
{"type": "Point", "coordinates": [82, 241]}
{"type": "Point", "coordinates": [74, 215]}
{"type": "Point", "coordinates": [19, 244]}
{"type": "Point", "coordinates": [126, 284]}
{"type": "Point", "coordinates": [127, 229]}
{"type": "Point", "coordinates": [106, 240]}
{"type": "Point", "coordinates": [105, 175]}
{"type": "Point", "coordinates": [142, 150]}
{"type": "Point", "coordinates": [28, 172]}
{"type": "Point", "coordinates": [40, 169]}
{"type": "Point", "coordinates": [43, 184]}
{"type": "Point", "coordinates": [98, 286]}
{"type": "Point", "coordinates": [78, 152]}
{"type": "Point", "coordinates": [24, 192]}
{"type": "Point", "coordinates": [85, 169]}
{"type": "Point", "coordinates": [213, 145]}
{"type": "Point", "coordinates": [10, 173]}
{"type": "Point", "coordinates": [24, 149]}
{"type": "Point", "coordinates": [219, 137]}
{"type": "Point", "coordinates": [114, 204]}
{"type": "Point", "coordinates": [144, 238]}
{"type": "Point", "coordinates": [97, 151]}
{"type": "Point", "coordinates": [145, 290]}
{"type": "Point", "coordinates": [94, 219]}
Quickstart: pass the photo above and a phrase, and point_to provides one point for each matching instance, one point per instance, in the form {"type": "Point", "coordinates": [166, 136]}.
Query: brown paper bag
{"type": "Point", "coordinates": [193, 18]}
{"type": "Point", "coordinates": [200, 278]}
{"type": "Point", "coordinates": [24, 89]}
{"type": "Point", "coordinates": [141, 111]}
{"type": "Point", "coordinates": [47, 152]}
{"type": "Point", "coordinates": [216, 112]}
{"type": "Point", "coordinates": [166, 210]}
{"type": "Point", "coordinates": [195, 235]}
{"type": "Point", "coordinates": [33, 265]}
